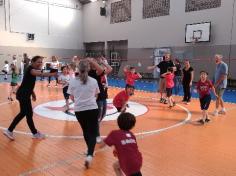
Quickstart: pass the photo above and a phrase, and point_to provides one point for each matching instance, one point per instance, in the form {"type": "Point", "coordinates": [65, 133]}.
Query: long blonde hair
{"type": "Point", "coordinates": [83, 68]}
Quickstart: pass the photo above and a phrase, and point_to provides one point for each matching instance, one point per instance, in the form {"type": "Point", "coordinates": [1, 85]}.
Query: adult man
{"type": "Point", "coordinates": [220, 83]}
{"type": "Point", "coordinates": [163, 66]}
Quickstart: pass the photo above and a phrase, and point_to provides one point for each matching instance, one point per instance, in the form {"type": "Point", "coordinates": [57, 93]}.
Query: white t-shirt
{"type": "Point", "coordinates": [84, 94]}
{"type": "Point", "coordinates": [14, 62]}
{"type": "Point", "coordinates": [64, 78]}
{"type": "Point", "coordinates": [6, 67]}
{"type": "Point", "coordinates": [54, 65]}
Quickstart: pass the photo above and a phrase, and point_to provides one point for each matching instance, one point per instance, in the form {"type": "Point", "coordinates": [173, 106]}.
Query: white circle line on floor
{"type": "Point", "coordinates": [140, 134]}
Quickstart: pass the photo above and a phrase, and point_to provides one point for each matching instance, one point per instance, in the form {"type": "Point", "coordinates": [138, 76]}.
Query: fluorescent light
{"type": "Point", "coordinates": [93, 0]}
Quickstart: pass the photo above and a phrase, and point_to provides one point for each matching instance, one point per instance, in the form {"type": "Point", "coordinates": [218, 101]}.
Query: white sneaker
{"type": "Point", "coordinates": [98, 139]}
{"type": "Point", "coordinates": [215, 113]}
{"type": "Point", "coordinates": [88, 161]}
{"type": "Point", "coordinates": [39, 135]}
{"type": "Point", "coordinates": [9, 134]}
{"type": "Point", "coordinates": [222, 111]}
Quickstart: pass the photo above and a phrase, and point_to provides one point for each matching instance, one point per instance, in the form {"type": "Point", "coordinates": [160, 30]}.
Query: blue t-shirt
{"type": "Point", "coordinates": [221, 69]}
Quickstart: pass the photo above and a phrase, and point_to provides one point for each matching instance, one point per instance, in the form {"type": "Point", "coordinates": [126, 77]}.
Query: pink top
{"type": "Point", "coordinates": [169, 80]}
{"type": "Point", "coordinates": [131, 77]}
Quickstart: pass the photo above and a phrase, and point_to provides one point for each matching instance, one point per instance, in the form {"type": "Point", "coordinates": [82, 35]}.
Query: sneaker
{"type": "Point", "coordinates": [39, 135]}
{"type": "Point", "coordinates": [215, 113]}
{"type": "Point", "coordinates": [56, 85]}
{"type": "Point", "coordinates": [207, 120]}
{"type": "Point", "coordinates": [5, 78]}
{"type": "Point", "coordinates": [98, 139]}
{"type": "Point", "coordinates": [49, 85]}
{"type": "Point", "coordinates": [165, 101]}
{"type": "Point", "coordinates": [201, 121]}
{"type": "Point", "coordinates": [223, 112]}
{"type": "Point", "coordinates": [9, 134]}
{"type": "Point", "coordinates": [187, 102]}
{"type": "Point", "coordinates": [88, 161]}
{"type": "Point", "coordinates": [174, 103]}
{"type": "Point", "coordinates": [162, 100]}
{"type": "Point", "coordinates": [171, 106]}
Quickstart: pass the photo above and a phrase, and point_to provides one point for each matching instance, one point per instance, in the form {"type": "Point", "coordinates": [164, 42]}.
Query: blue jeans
{"type": "Point", "coordinates": [178, 83]}
{"type": "Point", "coordinates": [102, 109]}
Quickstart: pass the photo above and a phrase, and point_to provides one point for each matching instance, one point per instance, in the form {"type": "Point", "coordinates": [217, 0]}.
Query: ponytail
{"type": "Point", "coordinates": [83, 68]}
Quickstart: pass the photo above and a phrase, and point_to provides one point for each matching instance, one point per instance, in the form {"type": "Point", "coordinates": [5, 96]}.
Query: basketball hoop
{"type": "Point", "coordinates": [194, 40]}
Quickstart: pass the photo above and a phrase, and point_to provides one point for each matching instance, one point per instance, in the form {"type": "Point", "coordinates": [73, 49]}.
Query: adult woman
{"type": "Point", "coordinates": [178, 76]}
{"type": "Point", "coordinates": [187, 81]}
{"type": "Point", "coordinates": [23, 95]}
{"type": "Point", "coordinates": [53, 69]}
{"type": "Point", "coordinates": [83, 91]}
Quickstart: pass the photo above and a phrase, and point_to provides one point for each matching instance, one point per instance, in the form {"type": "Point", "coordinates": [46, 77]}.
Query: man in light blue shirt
{"type": "Point", "coordinates": [220, 83]}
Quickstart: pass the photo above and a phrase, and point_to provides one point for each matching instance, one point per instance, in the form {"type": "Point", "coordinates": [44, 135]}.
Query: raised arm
{"type": "Point", "coordinates": [39, 73]}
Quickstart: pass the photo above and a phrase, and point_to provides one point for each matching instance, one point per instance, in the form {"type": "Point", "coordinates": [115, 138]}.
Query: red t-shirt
{"type": "Point", "coordinates": [169, 80]}
{"type": "Point", "coordinates": [131, 77]}
{"type": "Point", "coordinates": [130, 159]}
{"type": "Point", "coordinates": [204, 88]}
{"type": "Point", "coordinates": [120, 99]}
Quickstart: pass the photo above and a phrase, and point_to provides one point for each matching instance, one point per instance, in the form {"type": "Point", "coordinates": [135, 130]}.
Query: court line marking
{"type": "Point", "coordinates": [143, 133]}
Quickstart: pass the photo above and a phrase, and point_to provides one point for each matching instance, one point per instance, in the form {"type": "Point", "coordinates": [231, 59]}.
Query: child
{"type": "Point", "coordinates": [203, 87]}
{"type": "Point", "coordinates": [169, 77]}
{"type": "Point", "coordinates": [126, 148]}
{"type": "Point", "coordinates": [131, 75]}
{"type": "Point", "coordinates": [121, 99]}
{"type": "Point", "coordinates": [64, 79]}
{"type": "Point", "coordinates": [5, 69]}
{"type": "Point", "coordinates": [14, 80]}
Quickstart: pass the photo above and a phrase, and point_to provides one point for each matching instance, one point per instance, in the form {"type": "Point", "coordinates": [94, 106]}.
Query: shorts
{"type": "Point", "coordinates": [66, 95]}
{"type": "Point", "coordinates": [13, 84]}
{"type": "Point", "coordinates": [169, 92]}
{"type": "Point", "coordinates": [220, 92]}
{"type": "Point", "coordinates": [162, 85]}
{"type": "Point", "coordinates": [4, 71]}
{"type": "Point", "coordinates": [119, 109]}
{"type": "Point", "coordinates": [205, 102]}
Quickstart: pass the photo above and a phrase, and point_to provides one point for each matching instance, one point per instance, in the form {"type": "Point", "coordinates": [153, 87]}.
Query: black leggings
{"type": "Point", "coordinates": [187, 92]}
{"type": "Point", "coordinates": [25, 110]}
{"type": "Point", "coordinates": [89, 124]}
{"type": "Point", "coordinates": [53, 71]}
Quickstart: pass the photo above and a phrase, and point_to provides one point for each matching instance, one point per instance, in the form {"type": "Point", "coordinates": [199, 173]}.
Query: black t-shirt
{"type": "Point", "coordinates": [178, 71]}
{"type": "Point", "coordinates": [27, 86]}
{"type": "Point", "coordinates": [164, 65]}
{"type": "Point", "coordinates": [187, 75]}
{"type": "Point", "coordinates": [103, 90]}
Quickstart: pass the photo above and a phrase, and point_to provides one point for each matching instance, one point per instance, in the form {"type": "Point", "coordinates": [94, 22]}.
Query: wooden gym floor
{"type": "Point", "coordinates": [171, 142]}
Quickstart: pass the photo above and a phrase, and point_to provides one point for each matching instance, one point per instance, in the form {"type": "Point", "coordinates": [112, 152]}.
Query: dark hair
{"type": "Point", "coordinates": [62, 68]}
{"type": "Point", "coordinates": [177, 60]}
{"type": "Point", "coordinates": [129, 86]}
{"type": "Point", "coordinates": [6, 62]}
{"type": "Point", "coordinates": [203, 72]}
{"type": "Point", "coordinates": [126, 121]}
{"type": "Point", "coordinates": [35, 58]}
{"type": "Point", "coordinates": [170, 69]}
{"type": "Point", "coordinates": [131, 68]}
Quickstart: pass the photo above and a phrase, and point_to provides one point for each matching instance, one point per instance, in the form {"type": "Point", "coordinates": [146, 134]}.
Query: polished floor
{"type": "Point", "coordinates": [171, 141]}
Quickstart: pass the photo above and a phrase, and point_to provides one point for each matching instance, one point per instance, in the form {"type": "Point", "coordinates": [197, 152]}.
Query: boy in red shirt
{"type": "Point", "coordinates": [126, 148]}
{"type": "Point", "coordinates": [131, 75]}
{"type": "Point", "coordinates": [203, 87]}
{"type": "Point", "coordinates": [121, 99]}
{"type": "Point", "coordinates": [169, 78]}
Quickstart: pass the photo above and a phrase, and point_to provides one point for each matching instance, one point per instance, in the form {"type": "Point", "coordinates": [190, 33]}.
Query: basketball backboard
{"type": "Point", "coordinates": [198, 32]}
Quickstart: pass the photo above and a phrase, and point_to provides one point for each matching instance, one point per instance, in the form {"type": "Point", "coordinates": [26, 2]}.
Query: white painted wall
{"type": "Point", "coordinates": [160, 31]}
{"type": "Point", "coordinates": [63, 30]}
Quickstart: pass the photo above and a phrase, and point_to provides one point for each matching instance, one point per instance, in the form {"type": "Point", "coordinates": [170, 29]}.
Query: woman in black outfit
{"type": "Point", "coordinates": [187, 80]}
{"type": "Point", "coordinates": [23, 95]}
